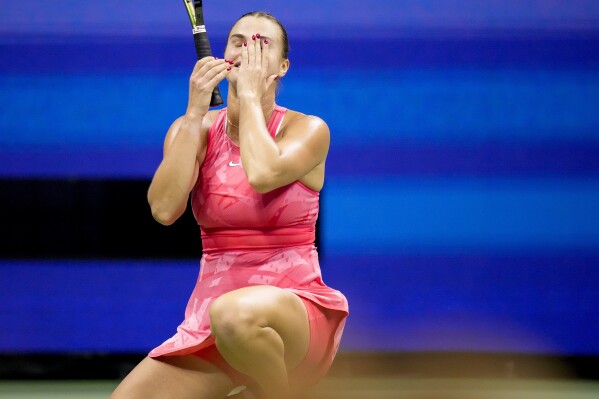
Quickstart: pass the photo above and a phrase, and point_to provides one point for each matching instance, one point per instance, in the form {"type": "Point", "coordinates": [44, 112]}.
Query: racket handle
{"type": "Point", "coordinates": [202, 46]}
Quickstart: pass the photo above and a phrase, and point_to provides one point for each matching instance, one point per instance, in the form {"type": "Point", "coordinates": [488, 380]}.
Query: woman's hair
{"type": "Point", "coordinates": [262, 14]}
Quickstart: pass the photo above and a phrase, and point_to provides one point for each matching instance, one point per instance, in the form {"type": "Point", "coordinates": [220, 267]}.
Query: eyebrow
{"type": "Point", "coordinates": [240, 36]}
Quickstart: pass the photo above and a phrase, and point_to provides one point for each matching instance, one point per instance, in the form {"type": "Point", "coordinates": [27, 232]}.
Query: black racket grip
{"type": "Point", "coordinates": [202, 46]}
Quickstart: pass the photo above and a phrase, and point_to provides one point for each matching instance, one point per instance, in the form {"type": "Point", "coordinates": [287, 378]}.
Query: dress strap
{"type": "Point", "coordinates": [275, 120]}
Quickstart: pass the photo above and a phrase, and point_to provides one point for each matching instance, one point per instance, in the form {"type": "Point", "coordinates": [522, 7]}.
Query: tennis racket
{"type": "Point", "coordinates": [200, 39]}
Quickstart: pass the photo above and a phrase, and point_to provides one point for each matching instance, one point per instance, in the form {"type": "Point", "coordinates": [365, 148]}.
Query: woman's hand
{"type": "Point", "coordinates": [253, 78]}
{"type": "Point", "coordinates": [206, 74]}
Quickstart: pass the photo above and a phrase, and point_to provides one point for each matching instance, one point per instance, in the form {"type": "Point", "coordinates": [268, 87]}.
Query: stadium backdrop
{"type": "Point", "coordinates": [461, 208]}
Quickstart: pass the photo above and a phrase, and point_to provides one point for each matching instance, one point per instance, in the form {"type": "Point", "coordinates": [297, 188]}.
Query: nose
{"type": "Point", "coordinates": [234, 55]}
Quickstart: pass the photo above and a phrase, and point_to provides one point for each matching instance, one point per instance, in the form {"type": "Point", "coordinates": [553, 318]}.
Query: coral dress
{"type": "Point", "coordinates": [251, 239]}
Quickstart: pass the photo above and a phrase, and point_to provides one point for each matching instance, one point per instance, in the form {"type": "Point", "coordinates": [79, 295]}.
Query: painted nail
{"type": "Point", "coordinates": [230, 62]}
{"type": "Point", "coordinates": [245, 44]}
{"type": "Point", "coordinates": [253, 37]}
{"type": "Point", "coordinates": [265, 41]}
{"type": "Point", "coordinates": [258, 35]}
{"type": "Point", "coordinates": [216, 58]}
{"type": "Point", "coordinates": [229, 68]}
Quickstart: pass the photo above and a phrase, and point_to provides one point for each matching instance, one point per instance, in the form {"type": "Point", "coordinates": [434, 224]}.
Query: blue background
{"type": "Point", "coordinates": [461, 208]}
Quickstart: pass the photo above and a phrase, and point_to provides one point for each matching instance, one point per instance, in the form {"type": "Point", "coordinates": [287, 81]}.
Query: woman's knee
{"type": "Point", "coordinates": [239, 316]}
{"type": "Point", "coordinates": [233, 318]}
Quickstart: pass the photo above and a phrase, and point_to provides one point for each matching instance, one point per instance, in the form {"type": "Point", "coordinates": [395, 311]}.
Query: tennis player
{"type": "Point", "coordinates": [260, 315]}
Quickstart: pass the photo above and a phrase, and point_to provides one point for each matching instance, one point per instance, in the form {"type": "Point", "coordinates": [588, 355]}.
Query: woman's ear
{"type": "Point", "coordinates": [284, 68]}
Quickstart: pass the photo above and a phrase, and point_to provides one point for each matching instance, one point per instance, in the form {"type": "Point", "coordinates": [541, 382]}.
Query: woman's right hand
{"type": "Point", "coordinates": [206, 74]}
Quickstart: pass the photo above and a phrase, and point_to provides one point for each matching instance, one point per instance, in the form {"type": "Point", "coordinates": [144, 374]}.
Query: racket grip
{"type": "Point", "coordinates": [202, 46]}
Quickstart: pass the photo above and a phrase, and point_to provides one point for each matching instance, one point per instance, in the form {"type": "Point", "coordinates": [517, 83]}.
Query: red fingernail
{"type": "Point", "coordinates": [229, 68]}
{"type": "Point", "coordinates": [253, 37]}
{"type": "Point", "coordinates": [258, 35]}
{"type": "Point", "coordinates": [230, 62]}
{"type": "Point", "coordinates": [245, 44]}
{"type": "Point", "coordinates": [265, 41]}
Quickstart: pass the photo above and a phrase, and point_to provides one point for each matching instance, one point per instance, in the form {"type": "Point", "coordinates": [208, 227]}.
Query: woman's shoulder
{"type": "Point", "coordinates": [295, 118]}
{"type": "Point", "coordinates": [207, 122]}
{"type": "Point", "coordinates": [305, 128]}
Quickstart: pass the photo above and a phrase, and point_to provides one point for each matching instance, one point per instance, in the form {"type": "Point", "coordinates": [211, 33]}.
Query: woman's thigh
{"type": "Point", "coordinates": [273, 307]}
{"type": "Point", "coordinates": [179, 377]}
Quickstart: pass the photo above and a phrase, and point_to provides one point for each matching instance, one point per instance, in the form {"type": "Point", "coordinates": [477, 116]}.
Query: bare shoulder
{"type": "Point", "coordinates": [299, 123]}
{"type": "Point", "coordinates": [207, 122]}
{"type": "Point", "coordinates": [293, 118]}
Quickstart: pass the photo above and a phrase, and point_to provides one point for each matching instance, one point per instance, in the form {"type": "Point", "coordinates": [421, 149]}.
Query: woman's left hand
{"type": "Point", "coordinates": [253, 78]}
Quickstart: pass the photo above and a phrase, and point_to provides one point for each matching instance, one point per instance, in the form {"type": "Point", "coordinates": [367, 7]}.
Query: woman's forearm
{"type": "Point", "coordinates": [259, 152]}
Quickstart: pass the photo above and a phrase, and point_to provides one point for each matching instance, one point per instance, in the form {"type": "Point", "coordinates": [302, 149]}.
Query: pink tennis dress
{"type": "Point", "coordinates": [252, 239]}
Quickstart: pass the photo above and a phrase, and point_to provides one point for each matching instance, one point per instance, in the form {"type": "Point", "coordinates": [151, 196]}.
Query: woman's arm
{"type": "Point", "coordinates": [301, 147]}
{"type": "Point", "coordinates": [270, 164]}
{"type": "Point", "coordinates": [183, 153]}
{"type": "Point", "coordinates": [185, 144]}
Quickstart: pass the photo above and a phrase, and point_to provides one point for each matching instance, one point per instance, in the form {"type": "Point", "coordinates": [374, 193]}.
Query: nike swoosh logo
{"type": "Point", "coordinates": [234, 164]}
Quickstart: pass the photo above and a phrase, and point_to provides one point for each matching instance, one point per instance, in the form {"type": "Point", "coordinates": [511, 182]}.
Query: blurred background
{"type": "Point", "coordinates": [460, 215]}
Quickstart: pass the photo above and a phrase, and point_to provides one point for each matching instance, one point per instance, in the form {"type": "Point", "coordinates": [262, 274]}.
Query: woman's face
{"type": "Point", "coordinates": [242, 32]}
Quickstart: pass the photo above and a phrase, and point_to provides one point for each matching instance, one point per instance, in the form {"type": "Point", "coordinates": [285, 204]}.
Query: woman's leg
{"type": "Point", "coordinates": [179, 377]}
{"type": "Point", "coordinates": [262, 331]}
